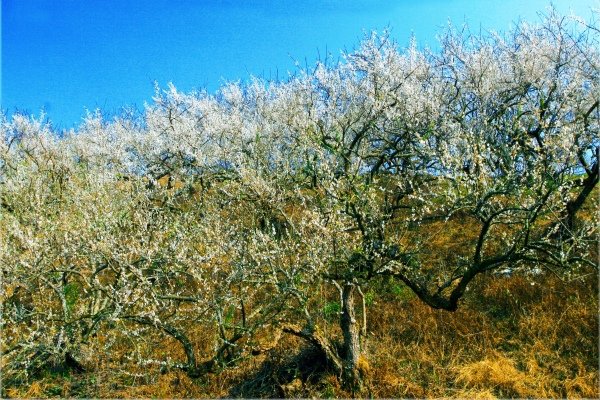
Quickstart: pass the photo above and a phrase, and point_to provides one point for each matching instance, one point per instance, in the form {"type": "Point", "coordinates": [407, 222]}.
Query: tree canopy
{"type": "Point", "coordinates": [231, 210]}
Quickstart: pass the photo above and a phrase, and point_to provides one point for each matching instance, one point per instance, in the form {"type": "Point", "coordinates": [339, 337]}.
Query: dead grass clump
{"type": "Point", "coordinates": [500, 374]}
{"type": "Point", "coordinates": [175, 384]}
{"type": "Point", "coordinates": [582, 386]}
{"type": "Point", "coordinates": [397, 386]}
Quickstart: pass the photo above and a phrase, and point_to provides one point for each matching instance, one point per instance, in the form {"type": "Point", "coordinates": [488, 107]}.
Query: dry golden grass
{"type": "Point", "coordinates": [500, 374]}
{"type": "Point", "coordinates": [509, 338]}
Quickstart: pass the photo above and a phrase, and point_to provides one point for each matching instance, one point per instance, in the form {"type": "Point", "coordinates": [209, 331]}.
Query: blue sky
{"type": "Point", "coordinates": [64, 56]}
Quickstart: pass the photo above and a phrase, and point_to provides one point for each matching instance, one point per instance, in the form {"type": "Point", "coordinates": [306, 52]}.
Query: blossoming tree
{"type": "Point", "coordinates": [228, 212]}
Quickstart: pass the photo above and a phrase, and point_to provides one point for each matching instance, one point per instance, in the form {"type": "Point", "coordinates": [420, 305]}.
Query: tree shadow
{"type": "Point", "coordinates": [282, 375]}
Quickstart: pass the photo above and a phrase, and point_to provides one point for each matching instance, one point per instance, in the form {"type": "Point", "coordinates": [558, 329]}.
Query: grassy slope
{"type": "Point", "coordinates": [518, 336]}
{"type": "Point", "coordinates": [513, 337]}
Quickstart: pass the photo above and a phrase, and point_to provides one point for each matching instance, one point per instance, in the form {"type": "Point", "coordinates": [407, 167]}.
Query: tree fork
{"type": "Point", "coordinates": [311, 335]}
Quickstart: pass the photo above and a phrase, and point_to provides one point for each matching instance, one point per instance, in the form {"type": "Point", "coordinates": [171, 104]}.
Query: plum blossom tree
{"type": "Point", "coordinates": [501, 132]}
{"type": "Point", "coordinates": [228, 212]}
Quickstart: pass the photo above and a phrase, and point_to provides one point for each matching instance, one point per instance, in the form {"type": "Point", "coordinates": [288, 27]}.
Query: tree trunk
{"type": "Point", "coordinates": [351, 349]}
{"type": "Point", "coordinates": [346, 362]}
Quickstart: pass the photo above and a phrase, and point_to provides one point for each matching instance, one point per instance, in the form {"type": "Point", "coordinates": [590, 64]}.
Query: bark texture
{"type": "Point", "coordinates": [350, 330]}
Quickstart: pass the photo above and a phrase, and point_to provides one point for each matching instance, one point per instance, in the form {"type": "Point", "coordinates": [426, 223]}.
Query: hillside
{"type": "Point", "coordinates": [403, 223]}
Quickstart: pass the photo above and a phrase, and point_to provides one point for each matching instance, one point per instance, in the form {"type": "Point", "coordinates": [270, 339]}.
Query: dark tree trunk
{"type": "Point", "coordinates": [351, 349]}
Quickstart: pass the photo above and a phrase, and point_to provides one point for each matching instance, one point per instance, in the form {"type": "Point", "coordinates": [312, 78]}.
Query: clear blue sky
{"type": "Point", "coordinates": [67, 55]}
